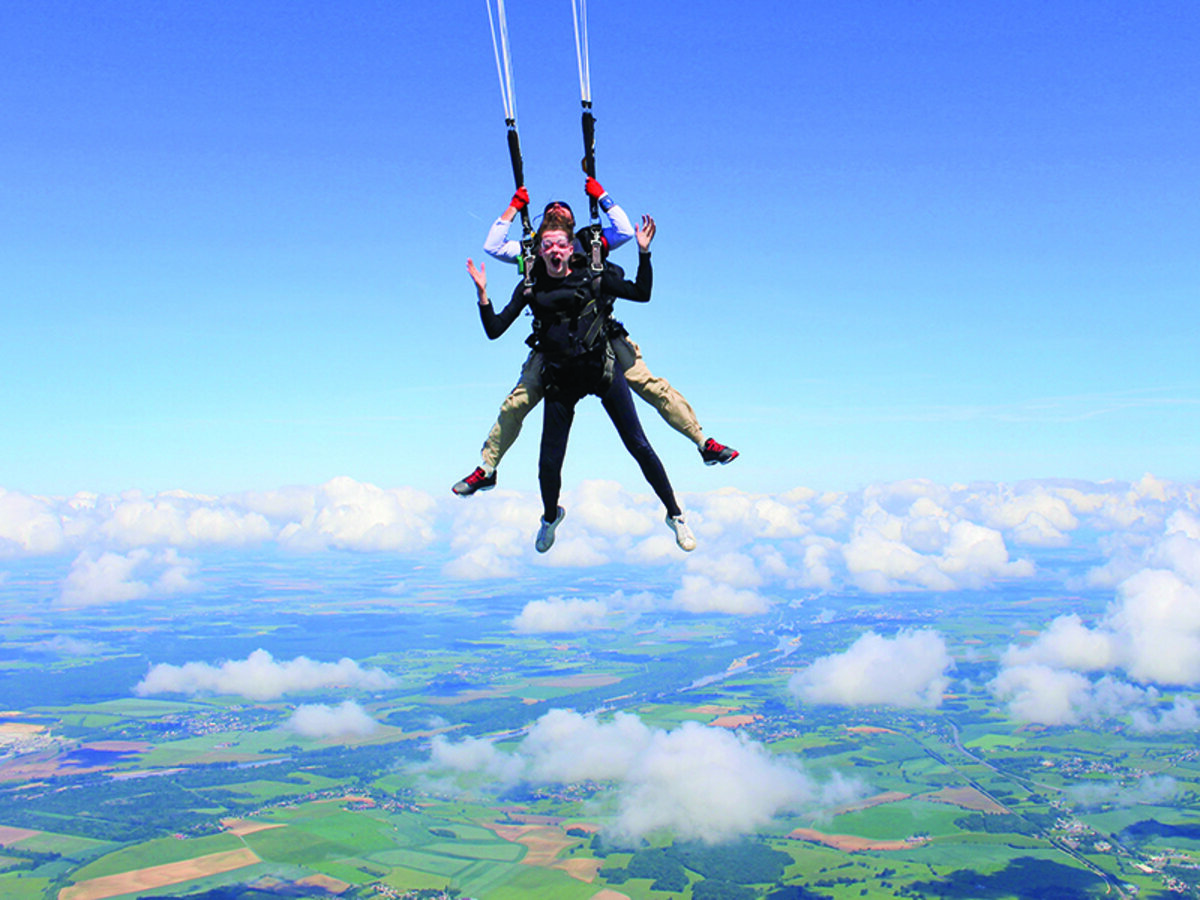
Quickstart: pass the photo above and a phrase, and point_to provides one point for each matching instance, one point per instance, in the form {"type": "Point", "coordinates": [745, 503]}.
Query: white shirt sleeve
{"type": "Point", "coordinates": [621, 229]}
{"type": "Point", "coordinates": [497, 245]}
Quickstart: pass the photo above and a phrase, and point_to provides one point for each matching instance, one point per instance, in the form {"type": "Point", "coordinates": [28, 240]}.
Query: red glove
{"type": "Point", "coordinates": [520, 199]}
{"type": "Point", "coordinates": [593, 188]}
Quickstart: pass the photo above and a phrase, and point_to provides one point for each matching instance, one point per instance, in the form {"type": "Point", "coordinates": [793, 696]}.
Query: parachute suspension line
{"type": "Point", "coordinates": [579, 16]}
{"type": "Point", "coordinates": [509, 97]}
{"type": "Point", "coordinates": [503, 61]}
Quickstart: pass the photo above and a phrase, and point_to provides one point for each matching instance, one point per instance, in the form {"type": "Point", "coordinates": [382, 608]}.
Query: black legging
{"type": "Point", "coordinates": [556, 428]}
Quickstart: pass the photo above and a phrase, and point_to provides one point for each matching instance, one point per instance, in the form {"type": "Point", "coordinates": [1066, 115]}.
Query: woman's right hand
{"type": "Point", "coordinates": [479, 276]}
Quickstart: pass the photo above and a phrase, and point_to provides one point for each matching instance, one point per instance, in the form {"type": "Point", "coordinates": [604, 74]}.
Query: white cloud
{"type": "Point", "coordinates": [353, 515]}
{"type": "Point", "coordinates": [260, 677]}
{"type": "Point", "coordinates": [486, 561]}
{"type": "Point", "coordinates": [1068, 644]}
{"type": "Point", "coordinates": [1039, 518]}
{"type": "Point", "coordinates": [492, 536]}
{"type": "Point", "coordinates": [606, 509]}
{"type": "Point", "coordinates": [1182, 715]}
{"type": "Point", "coordinates": [1051, 696]}
{"type": "Point", "coordinates": [734, 569]}
{"type": "Point", "coordinates": [29, 524]}
{"type": "Point", "coordinates": [908, 670]}
{"type": "Point", "coordinates": [573, 550]}
{"type": "Point", "coordinates": [697, 783]}
{"type": "Point", "coordinates": [1158, 615]}
{"type": "Point", "coordinates": [68, 646]}
{"type": "Point", "coordinates": [1151, 630]}
{"type": "Point", "coordinates": [559, 614]}
{"type": "Point", "coordinates": [1042, 694]}
{"type": "Point", "coordinates": [341, 514]}
{"type": "Point", "coordinates": [317, 720]}
{"type": "Point", "coordinates": [700, 594]}
{"type": "Point", "coordinates": [107, 578]}
{"type": "Point", "coordinates": [1150, 790]}
{"type": "Point", "coordinates": [723, 583]}
{"type": "Point", "coordinates": [744, 517]}
{"type": "Point", "coordinates": [926, 547]}
{"type": "Point", "coordinates": [879, 565]}
{"type": "Point", "coordinates": [976, 554]}
{"type": "Point", "coordinates": [478, 757]}
{"type": "Point", "coordinates": [816, 564]}
{"type": "Point", "coordinates": [708, 784]}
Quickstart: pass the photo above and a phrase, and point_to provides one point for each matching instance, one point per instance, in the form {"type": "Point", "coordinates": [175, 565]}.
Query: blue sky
{"type": "Point", "coordinates": [938, 240]}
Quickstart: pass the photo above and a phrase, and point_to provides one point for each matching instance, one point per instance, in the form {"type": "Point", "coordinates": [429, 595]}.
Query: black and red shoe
{"type": "Point", "coordinates": [713, 453]}
{"type": "Point", "coordinates": [478, 480]}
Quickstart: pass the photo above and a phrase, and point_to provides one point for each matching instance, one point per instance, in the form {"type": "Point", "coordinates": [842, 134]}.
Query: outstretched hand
{"type": "Point", "coordinates": [479, 276]}
{"type": "Point", "coordinates": [645, 233]}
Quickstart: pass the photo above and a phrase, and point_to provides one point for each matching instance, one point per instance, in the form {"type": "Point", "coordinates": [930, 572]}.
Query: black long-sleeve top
{"type": "Point", "coordinates": [551, 296]}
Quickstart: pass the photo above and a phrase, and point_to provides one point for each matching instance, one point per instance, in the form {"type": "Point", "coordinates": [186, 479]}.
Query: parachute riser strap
{"type": "Point", "coordinates": [589, 156]}
{"type": "Point", "coordinates": [518, 167]}
{"type": "Point", "coordinates": [589, 167]}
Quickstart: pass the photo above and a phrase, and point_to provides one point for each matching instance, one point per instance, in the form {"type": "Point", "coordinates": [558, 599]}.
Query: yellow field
{"type": "Point", "coordinates": [159, 876]}
{"type": "Point", "coordinates": [852, 842]}
{"type": "Point", "coordinates": [10, 834]}
{"type": "Point", "coordinates": [544, 843]}
{"type": "Point", "coordinates": [967, 798]}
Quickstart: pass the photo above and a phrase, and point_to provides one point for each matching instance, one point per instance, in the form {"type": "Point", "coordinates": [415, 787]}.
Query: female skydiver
{"type": "Point", "coordinates": [561, 300]}
{"type": "Point", "coordinates": [658, 392]}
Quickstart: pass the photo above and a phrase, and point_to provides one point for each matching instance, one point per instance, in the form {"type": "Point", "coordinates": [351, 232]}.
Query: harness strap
{"type": "Point", "coordinates": [598, 307]}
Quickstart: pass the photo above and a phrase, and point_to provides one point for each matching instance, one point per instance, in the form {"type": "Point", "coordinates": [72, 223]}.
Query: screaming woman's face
{"type": "Point", "coordinates": [556, 248]}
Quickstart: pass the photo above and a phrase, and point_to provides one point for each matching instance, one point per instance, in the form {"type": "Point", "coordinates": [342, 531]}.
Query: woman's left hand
{"type": "Point", "coordinates": [645, 233]}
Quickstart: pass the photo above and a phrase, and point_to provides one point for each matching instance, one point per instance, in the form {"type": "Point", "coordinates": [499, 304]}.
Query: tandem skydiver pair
{"type": "Point", "coordinates": [579, 348]}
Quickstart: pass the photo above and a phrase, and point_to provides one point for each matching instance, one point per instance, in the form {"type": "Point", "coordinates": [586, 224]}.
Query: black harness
{"type": "Point", "coordinates": [577, 357]}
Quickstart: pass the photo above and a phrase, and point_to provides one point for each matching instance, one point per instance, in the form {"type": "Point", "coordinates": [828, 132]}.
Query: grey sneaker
{"type": "Point", "coordinates": [545, 535]}
{"type": "Point", "coordinates": [683, 535]}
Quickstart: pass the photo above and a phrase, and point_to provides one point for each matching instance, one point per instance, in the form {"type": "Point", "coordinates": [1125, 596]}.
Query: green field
{"type": "Point", "coordinates": [156, 853]}
{"type": "Point", "coordinates": [896, 821]}
{"type": "Point", "coordinates": [141, 707]}
{"type": "Point", "coordinates": [298, 783]}
{"type": "Point", "coordinates": [227, 746]}
{"type": "Point", "coordinates": [19, 886]}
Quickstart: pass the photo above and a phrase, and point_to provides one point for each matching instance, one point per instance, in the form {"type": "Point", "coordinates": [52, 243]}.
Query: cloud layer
{"type": "Point", "coordinates": [756, 550]}
{"type": "Point", "coordinates": [695, 782]}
